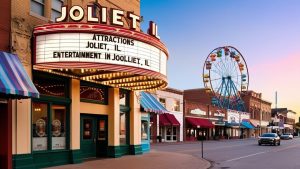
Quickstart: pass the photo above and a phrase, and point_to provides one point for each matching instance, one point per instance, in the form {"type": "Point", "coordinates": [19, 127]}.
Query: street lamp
{"type": "Point", "coordinates": [198, 127]}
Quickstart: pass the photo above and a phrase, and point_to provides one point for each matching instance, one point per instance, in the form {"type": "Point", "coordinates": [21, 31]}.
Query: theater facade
{"type": "Point", "coordinates": [89, 62]}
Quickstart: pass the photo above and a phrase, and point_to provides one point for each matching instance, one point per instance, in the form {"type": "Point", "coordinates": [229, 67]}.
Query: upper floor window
{"type": "Point", "coordinates": [56, 9]}
{"type": "Point", "coordinates": [38, 7]}
{"type": "Point", "coordinates": [162, 101]}
{"type": "Point", "coordinates": [177, 105]}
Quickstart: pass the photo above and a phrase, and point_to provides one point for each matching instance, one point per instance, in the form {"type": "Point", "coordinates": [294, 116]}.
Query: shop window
{"type": "Point", "coordinates": [48, 125]}
{"type": "Point", "coordinates": [144, 130]}
{"type": "Point", "coordinates": [162, 101]}
{"type": "Point", "coordinates": [174, 133]}
{"type": "Point", "coordinates": [51, 86]}
{"type": "Point", "coordinates": [169, 133]}
{"type": "Point", "coordinates": [96, 94]}
{"type": "Point", "coordinates": [123, 128]}
{"type": "Point", "coordinates": [177, 105]}
{"type": "Point", "coordinates": [56, 9]}
{"type": "Point", "coordinates": [38, 7]}
{"type": "Point", "coordinates": [87, 129]}
{"type": "Point", "coordinates": [39, 126]}
{"type": "Point", "coordinates": [124, 97]}
{"type": "Point", "coordinates": [58, 127]}
{"type": "Point", "coordinates": [102, 130]}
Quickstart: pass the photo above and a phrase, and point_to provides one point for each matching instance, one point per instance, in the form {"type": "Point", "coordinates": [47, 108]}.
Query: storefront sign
{"type": "Point", "coordinates": [198, 112]}
{"type": "Point", "coordinates": [39, 143]}
{"type": "Point", "coordinates": [233, 116]}
{"type": "Point", "coordinates": [58, 143]}
{"type": "Point", "coordinates": [99, 48]}
{"type": "Point", "coordinates": [219, 113]}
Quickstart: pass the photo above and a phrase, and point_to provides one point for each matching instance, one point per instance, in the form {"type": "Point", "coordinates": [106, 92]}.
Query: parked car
{"type": "Point", "coordinates": [269, 138]}
{"type": "Point", "coordinates": [284, 137]}
{"type": "Point", "coordinates": [290, 135]}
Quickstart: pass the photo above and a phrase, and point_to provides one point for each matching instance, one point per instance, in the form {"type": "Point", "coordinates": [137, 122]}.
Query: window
{"type": "Point", "coordinates": [56, 9]}
{"type": "Point", "coordinates": [144, 130]}
{"type": "Point", "coordinates": [48, 125]}
{"type": "Point", "coordinates": [96, 94]}
{"type": "Point", "coordinates": [56, 87]}
{"type": "Point", "coordinates": [38, 7]}
{"type": "Point", "coordinates": [87, 129]}
{"type": "Point", "coordinates": [39, 126]}
{"type": "Point", "coordinates": [123, 128]}
{"type": "Point", "coordinates": [58, 127]}
{"type": "Point", "coordinates": [177, 105]}
{"type": "Point", "coordinates": [162, 101]}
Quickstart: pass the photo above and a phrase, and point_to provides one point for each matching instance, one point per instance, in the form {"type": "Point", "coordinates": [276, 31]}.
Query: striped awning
{"type": "Point", "coordinates": [151, 104]}
{"type": "Point", "coordinates": [14, 81]}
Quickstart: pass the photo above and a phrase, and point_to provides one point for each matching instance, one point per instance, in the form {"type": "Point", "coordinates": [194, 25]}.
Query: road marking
{"type": "Point", "coordinates": [234, 159]}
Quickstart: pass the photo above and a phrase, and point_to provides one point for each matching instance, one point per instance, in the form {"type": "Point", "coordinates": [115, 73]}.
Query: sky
{"type": "Point", "coordinates": [266, 32]}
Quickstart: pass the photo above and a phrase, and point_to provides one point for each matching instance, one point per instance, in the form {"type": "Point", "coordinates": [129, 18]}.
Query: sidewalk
{"type": "Point", "coordinates": [154, 159]}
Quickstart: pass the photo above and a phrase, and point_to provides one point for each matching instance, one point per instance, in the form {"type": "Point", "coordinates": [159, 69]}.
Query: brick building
{"type": "Point", "coordinates": [259, 109]}
{"type": "Point", "coordinates": [87, 107]}
{"type": "Point", "coordinates": [283, 120]}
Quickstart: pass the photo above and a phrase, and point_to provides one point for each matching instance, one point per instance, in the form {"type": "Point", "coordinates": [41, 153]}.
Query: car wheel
{"type": "Point", "coordinates": [259, 144]}
{"type": "Point", "coordinates": [279, 143]}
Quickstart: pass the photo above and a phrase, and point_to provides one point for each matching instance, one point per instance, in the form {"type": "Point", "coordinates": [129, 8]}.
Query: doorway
{"type": "Point", "coordinates": [93, 136]}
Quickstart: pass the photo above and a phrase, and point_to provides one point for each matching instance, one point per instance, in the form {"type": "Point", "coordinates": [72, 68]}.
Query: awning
{"type": "Point", "coordinates": [172, 119]}
{"type": "Point", "coordinates": [14, 80]}
{"type": "Point", "coordinates": [151, 104]}
{"type": "Point", "coordinates": [198, 122]}
{"type": "Point", "coordinates": [247, 125]}
{"type": "Point", "coordinates": [163, 121]}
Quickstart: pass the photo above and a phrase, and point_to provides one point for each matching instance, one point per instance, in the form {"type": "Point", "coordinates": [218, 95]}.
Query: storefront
{"type": "Point", "coordinates": [169, 127]}
{"type": "Point", "coordinates": [197, 123]}
{"type": "Point", "coordinates": [164, 127]}
{"type": "Point", "coordinates": [197, 128]}
{"type": "Point", "coordinates": [14, 84]}
{"type": "Point", "coordinates": [89, 76]}
{"type": "Point", "coordinates": [218, 119]}
{"type": "Point", "coordinates": [238, 125]}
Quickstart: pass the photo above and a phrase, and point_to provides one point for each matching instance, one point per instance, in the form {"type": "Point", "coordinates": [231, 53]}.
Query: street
{"type": "Point", "coordinates": [242, 154]}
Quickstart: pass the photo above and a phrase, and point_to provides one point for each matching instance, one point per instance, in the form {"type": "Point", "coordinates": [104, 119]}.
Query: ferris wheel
{"type": "Point", "coordinates": [225, 74]}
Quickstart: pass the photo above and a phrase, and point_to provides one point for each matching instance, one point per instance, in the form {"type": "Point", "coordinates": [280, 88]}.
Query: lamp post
{"type": "Point", "coordinates": [260, 114]}
{"type": "Point", "coordinates": [198, 127]}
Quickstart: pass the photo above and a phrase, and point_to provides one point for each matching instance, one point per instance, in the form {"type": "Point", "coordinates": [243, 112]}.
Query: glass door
{"type": "Point", "coordinates": [88, 136]}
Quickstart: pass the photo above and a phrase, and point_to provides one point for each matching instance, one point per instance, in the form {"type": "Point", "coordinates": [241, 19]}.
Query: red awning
{"type": "Point", "coordinates": [172, 119]}
{"type": "Point", "coordinates": [198, 122]}
{"type": "Point", "coordinates": [168, 119]}
{"type": "Point", "coordinates": [163, 121]}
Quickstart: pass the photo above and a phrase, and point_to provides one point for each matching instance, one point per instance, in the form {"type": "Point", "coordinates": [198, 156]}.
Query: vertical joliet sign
{"type": "Point", "coordinates": [102, 44]}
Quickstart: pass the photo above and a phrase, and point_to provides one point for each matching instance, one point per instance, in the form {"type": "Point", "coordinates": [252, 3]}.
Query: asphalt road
{"type": "Point", "coordinates": [242, 154]}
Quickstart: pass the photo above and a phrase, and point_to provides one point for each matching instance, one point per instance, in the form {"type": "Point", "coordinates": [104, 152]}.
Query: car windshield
{"type": "Point", "coordinates": [268, 135]}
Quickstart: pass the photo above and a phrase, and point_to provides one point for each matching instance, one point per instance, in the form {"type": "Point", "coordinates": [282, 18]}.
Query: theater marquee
{"type": "Point", "coordinates": [99, 48]}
